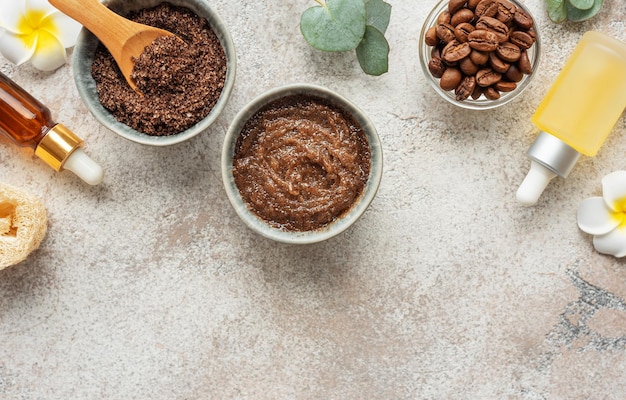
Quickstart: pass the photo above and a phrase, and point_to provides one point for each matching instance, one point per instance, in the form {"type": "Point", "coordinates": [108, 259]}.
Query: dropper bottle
{"type": "Point", "coordinates": [28, 123]}
{"type": "Point", "coordinates": [578, 112]}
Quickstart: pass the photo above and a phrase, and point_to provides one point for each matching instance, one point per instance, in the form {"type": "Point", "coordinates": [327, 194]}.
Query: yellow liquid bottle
{"type": "Point", "coordinates": [578, 112]}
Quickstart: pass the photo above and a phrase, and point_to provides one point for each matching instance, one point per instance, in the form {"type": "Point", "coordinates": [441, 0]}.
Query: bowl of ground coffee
{"type": "Point", "coordinates": [300, 164]}
{"type": "Point", "coordinates": [183, 87]}
{"type": "Point", "coordinates": [479, 54]}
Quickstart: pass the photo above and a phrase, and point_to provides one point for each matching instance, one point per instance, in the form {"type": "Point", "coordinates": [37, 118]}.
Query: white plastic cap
{"type": "Point", "coordinates": [534, 184]}
{"type": "Point", "coordinates": [84, 167]}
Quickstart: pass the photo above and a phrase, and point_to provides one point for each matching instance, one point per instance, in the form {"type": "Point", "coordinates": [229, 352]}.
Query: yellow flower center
{"type": "Point", "coordinates": [620, 212]}
{"type": "Point", "coordinates": [36, 28]}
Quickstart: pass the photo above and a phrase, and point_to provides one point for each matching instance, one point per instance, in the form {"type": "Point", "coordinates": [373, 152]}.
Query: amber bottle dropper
{"type": "Point", "coordinates": [28, 123]}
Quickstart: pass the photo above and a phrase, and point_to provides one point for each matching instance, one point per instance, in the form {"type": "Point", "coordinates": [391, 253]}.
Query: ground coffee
{"type": "Point", "coordinates": [180, 83]}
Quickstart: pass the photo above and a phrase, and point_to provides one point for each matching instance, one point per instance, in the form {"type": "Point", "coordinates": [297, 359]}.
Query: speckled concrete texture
{"type": "Point", "coordinates": [148, 286]}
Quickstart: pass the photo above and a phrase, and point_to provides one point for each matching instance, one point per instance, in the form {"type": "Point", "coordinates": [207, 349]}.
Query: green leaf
{"type": "Point", "coordinates": [576, 15]}
{"type": "Point", "coordinates": [582, 4]}
{"type": "Point", "coordinates": [334, 25]}
{"type": "Point", "coordinates": [373, 52]}
{"type": "Point", "coordinates": [557, 10]}
{"type": "Point", "coordinates": [378, 14]}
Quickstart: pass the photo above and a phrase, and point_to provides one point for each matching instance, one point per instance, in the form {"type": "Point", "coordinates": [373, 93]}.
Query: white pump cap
{"type": "Point", "coordinates": [84, 167]}
{"type": "Point", "coordinates": [549, 157]}
{"type": "Point", "coordinates": [534, 184]}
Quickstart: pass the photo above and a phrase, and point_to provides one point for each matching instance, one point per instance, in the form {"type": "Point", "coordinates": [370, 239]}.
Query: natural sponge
{"type": "Point", "coordinates": [23, 224]}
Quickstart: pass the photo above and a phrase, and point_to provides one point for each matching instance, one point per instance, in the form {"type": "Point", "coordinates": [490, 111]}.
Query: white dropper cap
{"type": "Point", "coordinates": [534, 184]}
{"type": "Point", "coordinates": [61, 149]}
{"type": "Point", "coordinates": [84, 167]}
{"type": "Point", "coordinates": [549, 157]}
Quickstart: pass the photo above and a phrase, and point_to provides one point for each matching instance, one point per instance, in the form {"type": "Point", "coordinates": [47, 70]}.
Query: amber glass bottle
{"type": "Point", "coordinates": [28, 123]}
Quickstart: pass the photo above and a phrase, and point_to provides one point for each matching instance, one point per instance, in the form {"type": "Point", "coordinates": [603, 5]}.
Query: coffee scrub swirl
{"type": "Point", "coordinates": [300, 163]}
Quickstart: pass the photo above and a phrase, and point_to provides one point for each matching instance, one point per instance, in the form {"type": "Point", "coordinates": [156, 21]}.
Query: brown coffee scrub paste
{"type": "Point", "coordinates": [180, 82]}
{"type": "Point", "coordinates": [300, 163]}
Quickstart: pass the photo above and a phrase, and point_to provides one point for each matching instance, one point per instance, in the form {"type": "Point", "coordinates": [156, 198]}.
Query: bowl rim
{"type": "Point", "coordinates": [482, 103]}
{"type": "Point", "coordinates": [334, 228]}
{"type": "Point", "coordinates": [84, 51]}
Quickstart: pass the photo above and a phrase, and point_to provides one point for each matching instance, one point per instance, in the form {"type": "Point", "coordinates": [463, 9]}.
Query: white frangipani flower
{"type": "Point", "coordinates": [34, 30]}
{"type": "Point", "coordinates": [605, 217]}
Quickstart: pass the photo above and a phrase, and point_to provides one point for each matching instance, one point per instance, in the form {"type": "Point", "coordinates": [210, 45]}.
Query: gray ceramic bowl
{"type": "Point", "coordinates": [339, 225]}
{"type": "Point", "coordinates": [85, 49]}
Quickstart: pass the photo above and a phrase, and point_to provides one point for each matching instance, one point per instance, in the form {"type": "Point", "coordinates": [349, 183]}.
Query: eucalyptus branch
{"type": "Point", "coordinates": [345, 25]}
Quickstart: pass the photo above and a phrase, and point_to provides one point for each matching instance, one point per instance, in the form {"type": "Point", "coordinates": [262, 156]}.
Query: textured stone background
{"type": "Point", "coordinates": [149, 286]}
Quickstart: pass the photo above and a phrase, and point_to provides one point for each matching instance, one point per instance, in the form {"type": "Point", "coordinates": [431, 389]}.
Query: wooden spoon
{"type": "Point", "coordinates": [124, 39]}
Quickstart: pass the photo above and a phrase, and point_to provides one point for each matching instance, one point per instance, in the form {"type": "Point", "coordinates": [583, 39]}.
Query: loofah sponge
{"type": "Point", "coordinates": [23, 224]}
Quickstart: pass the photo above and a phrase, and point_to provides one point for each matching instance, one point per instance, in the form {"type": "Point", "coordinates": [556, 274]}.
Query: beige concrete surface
{"type": "Point", "coordinates": [148, 286]}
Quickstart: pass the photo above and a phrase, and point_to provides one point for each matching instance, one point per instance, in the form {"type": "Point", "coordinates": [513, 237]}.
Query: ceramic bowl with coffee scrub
{"type": "Point", "coordinates": [481, 55]}
{"type": "Point", "coordinates": [88, 54]}
{"type": "Point", "coordinates": [301, 163]}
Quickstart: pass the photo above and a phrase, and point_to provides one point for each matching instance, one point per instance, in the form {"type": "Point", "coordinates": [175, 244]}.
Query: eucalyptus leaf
{"type": "Point", "coordinates": [557, 11]}
{"type": "Point", "coordinates": [576, 15]}
{"type": "Point", "coordinates": [378, 14]}
{"type": "Point", "coordinates": [334, 25]}
{"type": "Point", "coordinates": [373, 52]}
{"type": "Point", "coordinates": [582, 4]}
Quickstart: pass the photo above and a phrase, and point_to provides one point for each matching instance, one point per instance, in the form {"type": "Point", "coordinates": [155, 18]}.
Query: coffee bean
{"type": "Point", "coordinates": [455, 51]}
{"type": "Point", "coordinates": [514, 74]}
{"type": "Point", "coordinates": [444, 17]}
{"type": "Point", "coordinates": [465, 88]}
{"type": "Point", "coordinates": [493, 25]}
{"type": "Point", "coordinates": [456, 5]}
{"type": "Point", "coordinates": [524, 64]}
{"type": "Point", "coordinates": [505, 86]}
{"type": "Point", "coordinates": [468, 67]}
{"type": "Point", "coordinates": [523, 20]}
{"type": "Point", "coordinates": [445, 32]}
{"type": "Point", "coordinates": [461, 16]}
{"type": "Point", "coordinates": [522, 39]}
{"type": "Point", "coordinates": [483, 40]}
{"type": "Point", "coordinates": [479, 57]}
{"type": "Point", "coordinates": [436, 67]}
{"type": "Point", "coordinates": [486, 8]}
{"type": "Point", "coordinates": [462, 30]}
{"type": "Point", "coordinates": [487, 77]}
{"type": "Point", "coordinates": [431, 38]}
{"type": "Point", "coordinates": [479, 47]}
{"type": "Point", "coordinates": [508, 52]}
{"type": "Point", "coordinates": [478, 91]}
{"type": "Point", "coordinates": [497, 64]}
{"type": "Point", "coordinates": [471, 4]}
{"type": "Point", "coordinates": [506, 11]}
{"type": "Point", "coordinates": [450, 79]}
{"type": "Point", "coordinates": [491, 93]}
